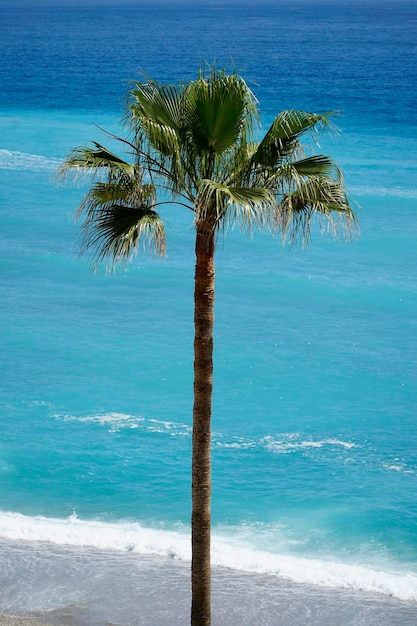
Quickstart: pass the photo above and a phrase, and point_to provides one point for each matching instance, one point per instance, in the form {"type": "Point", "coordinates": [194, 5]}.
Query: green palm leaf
{"type": "Point", "coordinates": [124, 190]}
{"type": "Point", "coordinates": [157, 102]}
{"type": "Point", "coordinates": [282, 138]}
{"type": "Point", "coordinates": [113, 233]}
{"type": "Point", "coordinates": [294, 174]}
{"type": "Point", "coordinates": [156, 115]}
{"type": "Point", "coordinates": [221, 109]}
{"type": "Point", "coordinates": [94, 159]}
{"type": "Point", "coordinates": [244, 205]}
{"type": "Point", "coordinates": [318, 165]}
{"type": "Point", "coordinates": [312, 198]}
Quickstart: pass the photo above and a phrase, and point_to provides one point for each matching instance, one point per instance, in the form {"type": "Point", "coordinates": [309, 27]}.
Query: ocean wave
{"type": "Point", "coordinates": [118, 421]}
{"type": "Point", "coordinates": [328, 448]}
{"type": "Point", "coordinates": [285, 443]}
{"type": "Point", "coordinates": [227, 552]}
{"type": "Point", "coordinates": [280, 445]}
{"type": "Point", "coordinates": [115, 421]}
{"type": "Point", "coordinates": [12, 160]}
{"type": "Point", "coordinates": [369, 190]}
{"type": "Point", "coordinates": [72, 531]}
{"type": "Point", "coordinates": [400, 468]}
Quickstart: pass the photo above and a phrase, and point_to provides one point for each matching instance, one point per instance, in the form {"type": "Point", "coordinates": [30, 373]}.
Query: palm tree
{"type": "Point", "coordinates": [195, 145]}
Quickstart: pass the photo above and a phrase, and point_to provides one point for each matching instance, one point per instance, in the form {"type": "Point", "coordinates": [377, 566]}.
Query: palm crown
{"type": "Point", "coordinates": [198, 141]}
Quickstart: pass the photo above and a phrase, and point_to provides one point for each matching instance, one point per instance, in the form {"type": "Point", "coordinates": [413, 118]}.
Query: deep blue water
{"type": "Point", "coordinates": [314, 468]}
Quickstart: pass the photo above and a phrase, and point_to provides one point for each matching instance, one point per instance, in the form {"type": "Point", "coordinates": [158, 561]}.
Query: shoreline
{"type": "Point", "coordinates": [46, 585]}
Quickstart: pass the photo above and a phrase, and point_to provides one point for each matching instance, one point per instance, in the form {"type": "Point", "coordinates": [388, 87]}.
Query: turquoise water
{"type": "Point", "coordinates": [314, 437]}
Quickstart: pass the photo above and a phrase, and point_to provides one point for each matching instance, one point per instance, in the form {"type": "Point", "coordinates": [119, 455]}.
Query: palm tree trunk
{"type": "Point", "coordinates": [201, 454]}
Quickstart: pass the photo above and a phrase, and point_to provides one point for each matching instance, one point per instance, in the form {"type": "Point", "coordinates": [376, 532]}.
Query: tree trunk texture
{"type": "Point", "coordinates": [201, 454]}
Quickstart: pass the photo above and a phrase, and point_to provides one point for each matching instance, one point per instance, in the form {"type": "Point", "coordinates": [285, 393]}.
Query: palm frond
{"type": "Point", "coordinates": [122, 191]}
{"type": "Point", "coordinates": [196, 144]}
{"type": "Point", "coordinates": [282, 138]}
{"type": "Point", "coordinates": [113, 234]}
{"type": "Point", "coordinates": [314, 198]}
{"type": "Point", "coordinates": [221, 109]}
{"type": "Point", "coordinates": [156, 115]}
{"type": "Point", "coordinates": [225, 205]}
{"type": "Point", "coordinates": [291, 175]}
{"type": "Point", "coordinates": [319, 165]}
{"type": "Point", "coordinates": [158, 102]}
{"type": "Point", "coordinates": [293, 123]}
{"type": "Point", "coordinates": [93, 160]}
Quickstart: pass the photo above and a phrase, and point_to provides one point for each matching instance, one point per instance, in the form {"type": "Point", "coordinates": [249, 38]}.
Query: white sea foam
{"type": "Point", "coordinates": [12, 160]}
{"type": "Point", "coordinates": [398, 468]}
{"type": "Point", "coordinates": [117, 421]}
{"type": "Point", "coordinates": [238, 445]}
{"type": "Point", "coordinates": [72, 531]}
{"type": "Point", "coordinates": [317, 572]}
{"type": "Point", "coordinates": [282, 443]}
{"type": "Point", "coordinates": [286, 445]}
{"type": "Point", "coordinates": [173, 428]}
{"type": "Point", "coordinates": [114, 421]}
{"type": "Point", "coordinates": [368, 190]}
{"type": "Point", "coordinates": [227, 552]}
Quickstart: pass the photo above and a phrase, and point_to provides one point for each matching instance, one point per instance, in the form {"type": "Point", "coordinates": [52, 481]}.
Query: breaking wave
{"type": "Point", "coordinates": [11, 160]}
{"type": "Point", "coordinates": [227, 551]}
{"type": "Point", "coordinates": [368, 190]}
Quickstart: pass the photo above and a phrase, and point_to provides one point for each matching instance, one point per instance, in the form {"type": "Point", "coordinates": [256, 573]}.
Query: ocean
{"type": "Point", "coordinates": [315, 389]}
